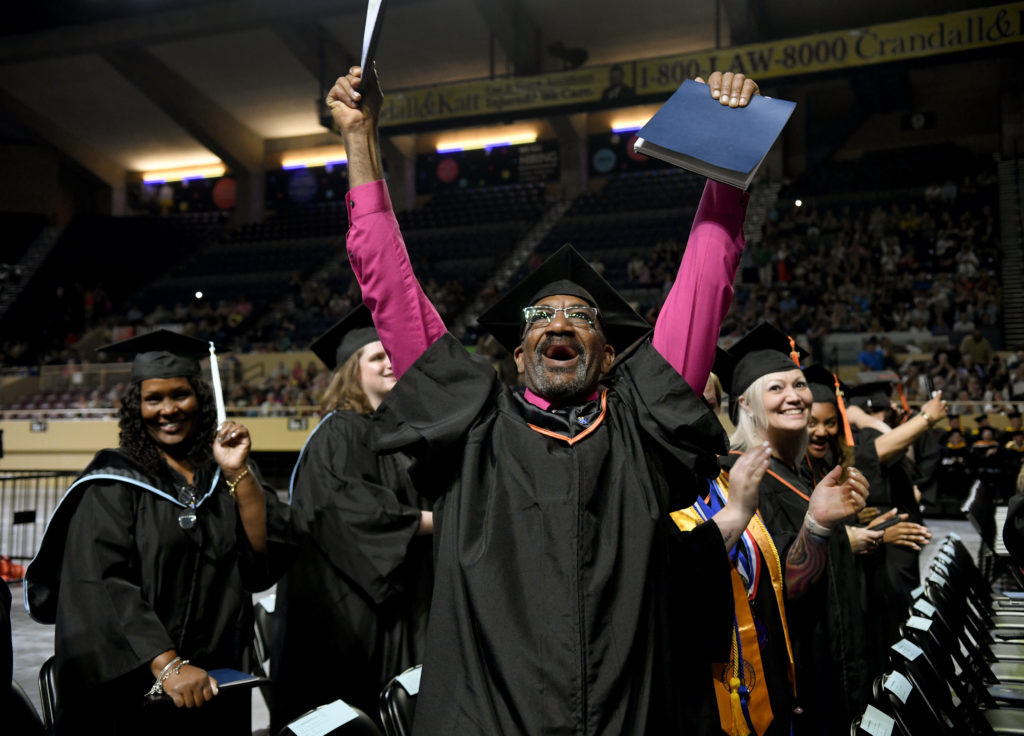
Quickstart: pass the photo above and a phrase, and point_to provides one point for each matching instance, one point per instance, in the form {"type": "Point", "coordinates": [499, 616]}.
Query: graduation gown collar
{"type": "Point", "coordinates": [565, 421]}
{"type": "Point", "coordinates": [115, 465]}
{"type": "Point", "coordinates": [298, 460]}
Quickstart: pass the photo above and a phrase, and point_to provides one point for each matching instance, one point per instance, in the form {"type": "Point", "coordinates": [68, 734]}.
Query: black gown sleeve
{"type": "Point", "coordinates": [866, 460]}
{"type": "Point", "coordinates": [112, 629]}
{"type": "Point", "coordinates": [358, 523]}
{"type": "Point", "coordinates": [702, 564]}
{"type": "Point", "coordinates": [685, 432]}
{"type": "Point", "coordinates": [431, 409]}
{"type": "Point", "coordinates": [260, 570]}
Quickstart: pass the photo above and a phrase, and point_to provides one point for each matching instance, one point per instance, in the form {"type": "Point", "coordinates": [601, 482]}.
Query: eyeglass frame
{"type": "Point", "coordinates": [592, 323]}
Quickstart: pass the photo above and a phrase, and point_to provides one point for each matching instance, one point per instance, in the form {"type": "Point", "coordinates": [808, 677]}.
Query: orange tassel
{"type": "Point", "coordinates": [903, 398]}
{"type": "Point", "coordinates": [793, 353]}
{"type": "Point", "coordinates": [847, 432]}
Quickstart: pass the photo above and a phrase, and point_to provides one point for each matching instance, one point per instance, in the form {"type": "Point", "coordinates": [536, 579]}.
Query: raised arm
{"type": "Point", "coordinates": [405, 319]}
{"type": "Point", "coordinates": [687, 328]}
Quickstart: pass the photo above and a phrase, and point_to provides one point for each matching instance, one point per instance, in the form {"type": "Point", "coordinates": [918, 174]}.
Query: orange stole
{"type": "Point", "coordinates": [728, 677]}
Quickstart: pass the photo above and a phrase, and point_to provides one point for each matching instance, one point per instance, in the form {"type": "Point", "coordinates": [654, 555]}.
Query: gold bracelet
{"type": "Point", "coordinates": [927, 418]}
{"type": "Point", "coordinates": [233, 483]}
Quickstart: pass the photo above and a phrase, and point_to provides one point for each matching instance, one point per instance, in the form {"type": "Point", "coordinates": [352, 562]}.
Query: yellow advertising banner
{"type": "Point", "coordinates": [619, 83]}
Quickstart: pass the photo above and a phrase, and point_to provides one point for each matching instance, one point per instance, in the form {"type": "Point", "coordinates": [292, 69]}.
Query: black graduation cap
{"type": "Point", "coordinates": [1013, 413]}
{"type": "Point", "coordinates": [763, 350]}
{"type": "Point", "coordinates": [341, 341]}
{"type": "Point", "coordinates": [872, 396]}
{"type": "Point", "coordinates": [565, 272]}
{"type": "Point", "coordinates": [823, 383]}
{"type": "Point", "coordinates": [161, 354]}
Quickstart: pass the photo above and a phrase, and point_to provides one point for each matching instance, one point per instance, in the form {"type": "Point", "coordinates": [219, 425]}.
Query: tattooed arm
{"type": "Point", "coordinates": [804, 563]}
{"type": "Point", "coordinates": [831, 502]}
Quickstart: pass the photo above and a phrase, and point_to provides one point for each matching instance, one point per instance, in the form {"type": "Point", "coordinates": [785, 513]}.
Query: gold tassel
{"type": "Point", "coordinates": [738, 719]}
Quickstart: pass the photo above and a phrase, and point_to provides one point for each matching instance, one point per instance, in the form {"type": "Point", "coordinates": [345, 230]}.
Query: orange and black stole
{"type": "Point", "coordinates": [741, 693]}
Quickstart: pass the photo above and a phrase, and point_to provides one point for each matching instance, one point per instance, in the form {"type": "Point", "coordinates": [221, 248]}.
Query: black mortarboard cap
{"type": "Point", "coordinates": [763, 350]}
{"type": "Point", "coordinates": [1013, 413]}
{"type": "Point", "coordinates": [873, 396]}
{"type": "Point", "coordinates": [161, 354]}
{"type": "Point", "coordinates": [565, 272]}
{"type": "Point", "coordinates": [823, 383]}
{"type": "Point", "coordinates": [341, 341]}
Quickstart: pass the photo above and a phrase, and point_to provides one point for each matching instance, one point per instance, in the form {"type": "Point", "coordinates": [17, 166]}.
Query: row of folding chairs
{"type": "Point", "coordinates": [958, 668]}
{"type": "Point", "coordinates": [397, 700]}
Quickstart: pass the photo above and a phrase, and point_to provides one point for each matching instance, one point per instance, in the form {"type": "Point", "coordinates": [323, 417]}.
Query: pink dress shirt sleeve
{"type": "Point", "coordinates": [686, 332]}
{"type": "Point", "coordinates": [405, 319]}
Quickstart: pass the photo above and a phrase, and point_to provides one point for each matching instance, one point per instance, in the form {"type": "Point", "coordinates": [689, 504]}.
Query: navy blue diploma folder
{"type": "Point", "coordinates": [697, 133]}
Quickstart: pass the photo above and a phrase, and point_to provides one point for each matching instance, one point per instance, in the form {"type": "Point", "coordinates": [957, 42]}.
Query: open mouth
{"type": "Point", "coordinates": [560, 352]}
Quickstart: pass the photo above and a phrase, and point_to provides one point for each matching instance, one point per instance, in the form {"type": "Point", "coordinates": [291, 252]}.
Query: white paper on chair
{"type": "Point", "coordinates": [907, 649]}
{"type": "Point", "coordinates": [899, 686]}
{"type": "Point", "coordinates": [917, 592]}
{"type": "Point", "coordinates": [876, 723]}
{"type": "Point", "coordinates": [269, 602]}
{"type": "Point", "coordinates": [924, 607]}
{"type": "Point", "coordinates": [324, 719]}
{"type": "Point", "coordinates": [410, 680]}
{"type": "Point", "coordinates": [919, 622]}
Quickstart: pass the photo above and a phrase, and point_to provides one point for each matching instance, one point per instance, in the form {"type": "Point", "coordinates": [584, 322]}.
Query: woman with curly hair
{"type": "Point", "coordinates": [351, 612]}
{"type": "Point", "coordinates": [148, 565]}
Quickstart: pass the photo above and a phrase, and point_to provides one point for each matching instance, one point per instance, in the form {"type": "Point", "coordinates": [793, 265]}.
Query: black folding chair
{"type": "Point", "coordinates": [398, 702]}
{"type": "Point", "coordinates": [21, 717]}
{"type": "Point", "coordinates": [48, 694]}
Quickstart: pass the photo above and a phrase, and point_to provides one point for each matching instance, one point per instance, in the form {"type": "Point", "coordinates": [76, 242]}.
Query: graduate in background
{"type": "Point", "coordinates": [806, 524]}
{"type": "Point", "coordinates": [892, 472]}
{"type": "Point", "coordinates": [754, 691]}
{"type": "Point", "coordinates": [832, 439]}
{"type": "Point", "coordinates": [150, 560]}
{"type": "Point", "coordinates": [351, 613]}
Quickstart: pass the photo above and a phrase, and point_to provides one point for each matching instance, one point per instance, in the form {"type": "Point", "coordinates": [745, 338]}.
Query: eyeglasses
{"type": "Point", "coordinates": [542, 316]}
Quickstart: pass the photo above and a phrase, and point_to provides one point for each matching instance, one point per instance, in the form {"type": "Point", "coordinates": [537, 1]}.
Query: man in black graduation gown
{"type": "Point", "coordinates": [563, 601]}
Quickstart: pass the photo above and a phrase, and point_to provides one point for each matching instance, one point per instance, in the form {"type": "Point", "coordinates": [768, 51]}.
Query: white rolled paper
{"type": "Point", "coordinates": [218, 392]}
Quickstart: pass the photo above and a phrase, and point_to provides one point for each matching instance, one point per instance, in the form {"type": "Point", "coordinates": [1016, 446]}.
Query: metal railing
{"type": "Point", "coordinates": [27, 499]}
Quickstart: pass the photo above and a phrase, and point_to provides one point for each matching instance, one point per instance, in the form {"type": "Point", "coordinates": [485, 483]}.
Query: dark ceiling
{"type": "Point", "coordinates": [130, 85]}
